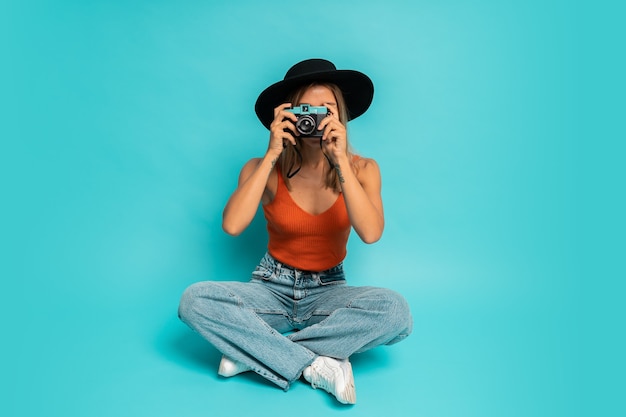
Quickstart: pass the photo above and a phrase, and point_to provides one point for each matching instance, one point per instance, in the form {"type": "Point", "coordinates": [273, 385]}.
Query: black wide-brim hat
{"type": "Point", "coordinates": [357, 88]}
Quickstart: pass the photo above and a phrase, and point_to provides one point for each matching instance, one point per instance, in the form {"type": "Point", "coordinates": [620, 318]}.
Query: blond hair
{"type": "Point", "coordinates": [291, 155]}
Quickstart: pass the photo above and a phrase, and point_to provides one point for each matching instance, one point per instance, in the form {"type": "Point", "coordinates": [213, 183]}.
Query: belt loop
{"type": "Point", "coordinates": [275, 265]}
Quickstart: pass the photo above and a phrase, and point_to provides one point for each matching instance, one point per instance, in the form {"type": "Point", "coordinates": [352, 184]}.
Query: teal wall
{"type": "Point", "coordinates": [125, 124]}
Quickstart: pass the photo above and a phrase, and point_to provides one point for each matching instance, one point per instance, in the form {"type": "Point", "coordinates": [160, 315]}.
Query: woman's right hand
{"type": "Point", "coordinates": [281, 129]}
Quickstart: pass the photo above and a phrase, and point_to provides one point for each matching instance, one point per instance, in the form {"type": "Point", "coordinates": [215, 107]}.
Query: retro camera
{"type": "Point", "coordinates": [309, 117]}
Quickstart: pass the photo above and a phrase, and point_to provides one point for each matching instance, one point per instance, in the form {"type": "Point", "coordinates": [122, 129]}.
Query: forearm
{"type": "Point", "coordinates": [366, 216]}
{"type": "Point", "coordinates": [244, 202]}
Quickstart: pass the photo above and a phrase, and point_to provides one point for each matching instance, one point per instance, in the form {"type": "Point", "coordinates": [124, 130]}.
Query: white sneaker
{"type": "Point", "coordinates": [229, 367]}
{"type": "Point", "coordinates": [333, 376]}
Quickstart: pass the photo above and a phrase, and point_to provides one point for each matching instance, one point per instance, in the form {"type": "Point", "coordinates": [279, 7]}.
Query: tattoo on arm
{"type": "Point", "coordinates": [339, 174]}
{"type": "Point", "coordinates": [274, 162]}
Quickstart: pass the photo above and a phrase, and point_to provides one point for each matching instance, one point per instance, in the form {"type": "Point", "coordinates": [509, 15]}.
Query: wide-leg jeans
{"type": "Point", "coordinates": [281, 320]}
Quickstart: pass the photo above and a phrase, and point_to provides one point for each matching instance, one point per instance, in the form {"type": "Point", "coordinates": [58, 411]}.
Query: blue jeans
{"type": "Point", "coordinates": [248, 321]}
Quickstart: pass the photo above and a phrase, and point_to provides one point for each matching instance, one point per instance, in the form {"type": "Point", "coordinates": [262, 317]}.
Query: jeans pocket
{"type": "Point", "coordinates": [332, 279]}
{"type": "Point", "coordinates": [262, 273]}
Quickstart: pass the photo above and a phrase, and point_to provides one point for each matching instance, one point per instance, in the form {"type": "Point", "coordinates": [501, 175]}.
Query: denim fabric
{"type": "Point", "coordinates": [248, 321]}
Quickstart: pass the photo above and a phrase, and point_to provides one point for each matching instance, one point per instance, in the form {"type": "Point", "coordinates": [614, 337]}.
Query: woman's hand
{"type": "Point", "coordinates": [281, 128]}
{"type": "Point", "coordinates": [334, 140]}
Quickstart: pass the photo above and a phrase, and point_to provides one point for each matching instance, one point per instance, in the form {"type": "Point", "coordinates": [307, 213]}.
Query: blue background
{"type": "Point", "coordinates": [125, 124]}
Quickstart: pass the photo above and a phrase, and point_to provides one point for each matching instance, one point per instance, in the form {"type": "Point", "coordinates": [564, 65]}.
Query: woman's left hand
{"type": "Point", "coordinates": [334, 140]}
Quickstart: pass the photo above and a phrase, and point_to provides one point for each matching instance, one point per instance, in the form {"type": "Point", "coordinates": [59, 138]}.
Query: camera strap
{"type": "Point", "coordinates": [291, 174]}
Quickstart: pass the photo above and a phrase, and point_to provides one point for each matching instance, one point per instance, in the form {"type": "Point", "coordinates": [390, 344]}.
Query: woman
{"type": "Point", "coordinates": [297, 316]}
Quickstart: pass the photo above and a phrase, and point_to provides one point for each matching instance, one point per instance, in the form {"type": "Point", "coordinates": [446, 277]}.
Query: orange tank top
{"type": "Point", "coordinates": [303, 240]}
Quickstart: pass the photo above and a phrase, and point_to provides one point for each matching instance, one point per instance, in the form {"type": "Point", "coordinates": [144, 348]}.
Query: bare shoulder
{"type": "Point", "coordinates": [367, 170]}
{"type": "Point", "coordinates": [252, 163]}
{"type": "Point", "coordinates": [248, 169]}
{"type": "Point", "coordinates": [366, 163]}
{"type": "Point", "coordinates": [272, 181]}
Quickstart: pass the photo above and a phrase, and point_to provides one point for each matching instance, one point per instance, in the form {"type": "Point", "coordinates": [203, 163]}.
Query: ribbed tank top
{"type": "Point", "coordinates": [303, 240]}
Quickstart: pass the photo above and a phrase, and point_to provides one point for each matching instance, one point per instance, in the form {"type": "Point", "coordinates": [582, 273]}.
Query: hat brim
{"type": "Point", "coordinates": [357, 89]}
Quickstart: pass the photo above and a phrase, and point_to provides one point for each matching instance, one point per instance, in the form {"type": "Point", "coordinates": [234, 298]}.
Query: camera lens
{"type": "Point", "coordinates": [305, 125]}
